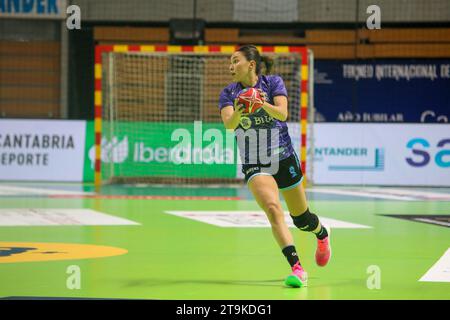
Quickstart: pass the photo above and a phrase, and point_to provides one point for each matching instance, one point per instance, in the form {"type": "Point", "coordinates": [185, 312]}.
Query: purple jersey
{"type": "Point", "coordinates": [278, 141]}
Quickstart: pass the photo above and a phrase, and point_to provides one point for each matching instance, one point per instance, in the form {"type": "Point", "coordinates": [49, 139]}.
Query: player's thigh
{"type": "Point", "coordinates": [295, 199]}
{"type": "Point", "coordinates": [265, 191]}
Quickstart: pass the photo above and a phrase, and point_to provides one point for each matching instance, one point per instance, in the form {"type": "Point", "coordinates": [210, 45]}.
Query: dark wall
{"type": "Point", "coordinates": [81, 73]}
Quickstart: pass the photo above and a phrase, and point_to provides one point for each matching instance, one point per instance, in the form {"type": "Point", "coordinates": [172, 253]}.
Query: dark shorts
{"type": "Point", "coordinates": [288, 175]}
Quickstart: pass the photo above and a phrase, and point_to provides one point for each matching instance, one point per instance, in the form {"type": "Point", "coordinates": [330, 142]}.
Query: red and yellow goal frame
{"type": "Point", "coordinates": [226, 49]}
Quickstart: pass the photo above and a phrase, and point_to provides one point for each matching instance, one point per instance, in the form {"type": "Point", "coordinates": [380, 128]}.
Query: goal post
{"type": "Point", "coordinates": [150, 99]}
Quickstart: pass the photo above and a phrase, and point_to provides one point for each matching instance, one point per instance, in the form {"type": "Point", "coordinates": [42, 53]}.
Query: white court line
{"type": "Point", "coordinates": [7, 190]}
{"type": "Point", "coordinates": [358, 194]}
{"type": "Point", "coordinates": [253, 219]}
{"type": "Point", "coordinates": [440, 271]}
{"type": "Point", "coordinates": [441, 223]}
{"type": "Point", "coordinates": [385, 193]}
{"type": "Point", "coordinates": [420, 194]}
{"type": "Point", "coordinates": [59, 217]}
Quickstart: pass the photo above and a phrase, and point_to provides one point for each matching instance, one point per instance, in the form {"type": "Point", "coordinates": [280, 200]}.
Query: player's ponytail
{"type": "Point", "coordinates": [251, 53]}
{"type": "Point", "coordinates": [268, 62]}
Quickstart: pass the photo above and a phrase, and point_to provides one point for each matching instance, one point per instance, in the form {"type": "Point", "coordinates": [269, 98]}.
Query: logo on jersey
{"type": "Point", "coordinates": [263, 120]}
{"type": "Point", "coordinates": [245, 122]}
{"type": "Point", "coordinates": [292, 171]}
{"type": "Point", "coordinates": [252, 169]}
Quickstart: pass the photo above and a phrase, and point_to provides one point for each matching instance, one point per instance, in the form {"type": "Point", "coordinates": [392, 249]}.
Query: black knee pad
{"type": "Point", "coordinates": [306, 222]}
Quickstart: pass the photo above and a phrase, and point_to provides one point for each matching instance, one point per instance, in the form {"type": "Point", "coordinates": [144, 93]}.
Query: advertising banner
{"type": "Point", "coordinates": [142, 149]}
{"type": "Point", "coordinates": [42, 150]}
{"type": "Point", "coordinates": [382, 154]}
{"type": "Point", "coordinates": [394, 90]}
{"type": "Point", "coordinates": [343, 154]}
{"type": "Point", "coordinates": [47, 9]}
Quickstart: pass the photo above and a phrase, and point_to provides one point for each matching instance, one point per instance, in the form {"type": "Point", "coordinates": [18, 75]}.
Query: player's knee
{"type": "Point", "coordinates": [306, 222]}
{"type": "Point", "coordinates": [274, 212]}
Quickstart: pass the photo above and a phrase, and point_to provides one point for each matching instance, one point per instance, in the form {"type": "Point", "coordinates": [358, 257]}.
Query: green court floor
{"type": "Point", "coordinates": [168, 256]}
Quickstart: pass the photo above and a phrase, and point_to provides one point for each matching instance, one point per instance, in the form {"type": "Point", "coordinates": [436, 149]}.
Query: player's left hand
{"type": "Point", "coordinates": [263, 95]}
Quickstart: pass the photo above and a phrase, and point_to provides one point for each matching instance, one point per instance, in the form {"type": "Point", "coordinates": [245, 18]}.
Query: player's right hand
{"type": "Point", "coordinates": [239, 108]}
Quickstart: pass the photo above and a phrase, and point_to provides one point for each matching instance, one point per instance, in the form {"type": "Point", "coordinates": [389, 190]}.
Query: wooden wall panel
{"type": "Point", "coordinates": [30, 79]}
{"type": "Point", "coordinates": [131, 34]}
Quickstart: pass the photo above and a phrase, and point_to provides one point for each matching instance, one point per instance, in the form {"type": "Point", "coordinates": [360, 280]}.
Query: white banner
{"type": "Point", "coordinates": [48, 9]}
{"type": "Point", "coordinates": [41, 150]}
{"type": "Point", "coordinates": [382, 154]}
{"type": "Point", "coordinates": [265, 10]}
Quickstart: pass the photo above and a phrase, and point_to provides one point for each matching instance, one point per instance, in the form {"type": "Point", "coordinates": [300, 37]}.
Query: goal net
{"type": "Point", "coordinates": [160, 117]}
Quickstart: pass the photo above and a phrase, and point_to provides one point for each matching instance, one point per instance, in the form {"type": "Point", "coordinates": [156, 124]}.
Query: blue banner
{"type": "Point", "coordinates": [33, 8]}
{"type": "Point", "coordinates": [394, 90]}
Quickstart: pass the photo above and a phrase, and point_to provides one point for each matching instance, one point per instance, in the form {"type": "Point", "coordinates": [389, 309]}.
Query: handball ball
{"type": "Point", "coordinates": [251, 99]}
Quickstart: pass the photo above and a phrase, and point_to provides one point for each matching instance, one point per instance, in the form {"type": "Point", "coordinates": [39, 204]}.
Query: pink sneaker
{"type": "Point", "coordinates": [298, 278]}
{"type": "Point", "coordinates": [323, 251]}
